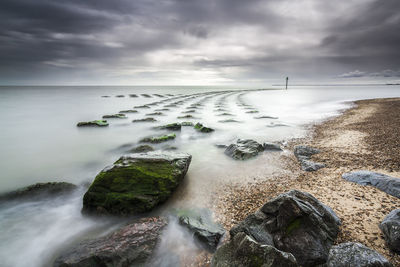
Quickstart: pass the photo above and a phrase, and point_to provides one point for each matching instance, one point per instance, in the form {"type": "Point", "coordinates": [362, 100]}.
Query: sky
{"type": "Point", "coordinates": [198, 42]}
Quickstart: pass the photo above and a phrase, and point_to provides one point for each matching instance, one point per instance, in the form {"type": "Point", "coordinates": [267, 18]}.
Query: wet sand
{"type": "Point", "coordinates": [365, 137]}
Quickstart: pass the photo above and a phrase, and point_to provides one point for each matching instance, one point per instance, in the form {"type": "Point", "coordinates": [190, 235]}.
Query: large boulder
{"type": "Point", "coordinates": [303, 155]}
{"type": "Point", "coordinates": [390, 227]}
{"type": "Point", "coordinates": [294, 222]}
{"type": "Point", "coordinates": [200, 223]}
{"type": "Point", "coordinates": [355, 254]}
{"type": "Point", "coordinates": [244, 251]}
{"type": "Point", "coordinates": [39, 190]}
{"type": "Point", "coordinates": [132, 245]}
{"type": "Point", "coordinates": [388, 184]}
{"type": "Point", "coordinates": [136, 183]}
{"type": "Point", "coordinates": [244, 149]}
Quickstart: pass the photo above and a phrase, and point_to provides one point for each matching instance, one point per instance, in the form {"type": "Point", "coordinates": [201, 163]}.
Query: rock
{"type": "Point", "coordinates": [244, 149]}
{"type": "Point", "coordinates": [169, 148]}
{"type": "Point", "coordinates": [141, 149]}
{"type": "Point", "coordinates": [390, 226]}
{"type": "Point", "coordinates": [228, 120]}
{"type": "Point", "coordinates": [100, 123]}
{"type": "Point", "coordinates": [202, 128]}
{"type": "Point", "coordinates": [273, 125]}
{"type": "Point", "coordinates": [200, 223]}
{"type": "Point", "coordinates": [187, 123]}
{"type": "Point", "coordinates": [186, 117]}
{"type": "Point", "coordinates": [225, 114]}
{"type": "Point", "coordinates": [136, 183]}
{"type": "Point", "coordinates": [266, 117]}
{"type": "Point", "coordinates": [115, 116]}
{"type": "Point", "coordinates": [189, 111]}
{"type": "Point", "coordinates": [252, 111]}
{"type": "Point", "coordinates": [39, 190]}
{"type": "Point", "coordinates": [143, 106]}
{"type": "Point", "coordinates": [388, 184]}
{"type": "Point", "coordinates": [170, 106]}
{"type": "Point", "coordinates": [162, 109]}
{"type": "Point", "coordinates": [145, 95]}
{"type": "Point", "coordinates": [355, 254]}
{"type": "Point", "coordinates": [244, 251]}
{"type": "Point", "coordinates": [119, 96]}
{"type": "Point", "coordinates": [172, 126]}
{"type": "Point", "coordinates": [155, 114]}
{"type": "Point", "coordinates": [128, 111]}
{"type": "Point", "coordinates": [272, 146]}
{"type": "Point", "coordinates": [133, 95]}
{"type": "Point", "coordinates": [131, 245]}
{"type": "Point", "coordinates": [221, 145]}
{"type": "Point", "coordinates": [158, 95]}
{"type": "Point", "coordinates": [145, 120]}
{"type": "Point", "coordinates": [303, 155]}
{"type": "Point", "coordinates": [105, 96]}
{"type": "Point", "coordinates": [158, 139]}
{"type": "Point", "coordinates": [294, 222]}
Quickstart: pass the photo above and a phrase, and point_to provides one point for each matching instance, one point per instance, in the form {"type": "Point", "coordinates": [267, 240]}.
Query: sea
{"type": "Point", "coordinates": [40, 142]}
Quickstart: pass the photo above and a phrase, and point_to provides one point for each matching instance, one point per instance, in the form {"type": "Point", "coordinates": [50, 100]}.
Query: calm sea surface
{"type": "Point", "coordinates": [40, 142]}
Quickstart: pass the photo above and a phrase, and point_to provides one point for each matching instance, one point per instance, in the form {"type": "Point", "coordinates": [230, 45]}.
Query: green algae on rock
{"type": "Point", "coordinates": [171, 126]}
{"type": "Point", "coordinates": [145, 120]}
{"type": "Point", "coordinates": [128, 111]}
{"type": "Point", "coordinates": [158, 139]}
{"type": "Point", "coordinates": [136, 183]}
{"type": "Point", "coordinates": [202, 128]}
{"type": "Point", "coordinates": [141, 149]}
{"type": "Point", "coordinates": [100, 123]}
{"type": "Point", "coordinates": [115, 116]}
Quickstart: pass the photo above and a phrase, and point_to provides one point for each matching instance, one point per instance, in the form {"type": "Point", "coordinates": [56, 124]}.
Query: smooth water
{"type": "Point", "coordinates": [40, 142]}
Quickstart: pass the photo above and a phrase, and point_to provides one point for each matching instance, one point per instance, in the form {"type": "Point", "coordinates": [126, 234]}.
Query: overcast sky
{"type": "Point", "coordinates": [198, 42]}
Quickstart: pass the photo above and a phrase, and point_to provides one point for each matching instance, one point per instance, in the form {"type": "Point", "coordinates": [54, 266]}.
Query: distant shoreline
{"type": "Point", "coordinates": [351, 141]}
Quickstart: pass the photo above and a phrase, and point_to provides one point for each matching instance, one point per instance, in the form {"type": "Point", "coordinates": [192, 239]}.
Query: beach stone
{"type": "Point", "coordinates": [39, 190]}
{"type": "Point", "coordinates": [272, 146]}
{"type": "Point", "coordinates": [294, 222]}
{"type": "Point", "coordinates": [244, 251]}
{"type": "Point", "coordinates": [390, 227]}
{"type": "Point", "coordinates": [244, 149]}
{"type": "Point", "coordinates": [303, 155]}
{"type": "Point", "coordinates": [200, 223]}
{"type": "Point", "coordinates": [386, 183]}
{"type": "Point", "coordinates": [131, 245]}
{"type": "Point", "coordinates": [136, 183]}
{"type": "Point", "coordinates": [355, 254]}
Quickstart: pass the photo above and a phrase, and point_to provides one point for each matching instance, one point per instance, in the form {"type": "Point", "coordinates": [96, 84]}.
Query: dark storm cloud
{"type": "Point", "coordinates": [215, 40]}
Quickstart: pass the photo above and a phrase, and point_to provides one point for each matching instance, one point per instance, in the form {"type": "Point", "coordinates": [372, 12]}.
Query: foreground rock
{"type": "Point", "coordinates": [39, 190]}
{"type": "Point", "coordinates": [132, 245]}
{"type": "Point", "coordinates": [294, 222]}
{"type": "Point", "coordinates": [390, 227]}
{"type": "Point", "coordinates": [388, 184]}
{"type": "Point", "coordinates": [244, 149]}
{"type": "Point", "coordinates": [355, 254]}
{"type": "Point", "coordinates": [303, 155]}
{"type": "Point", "coordinates": [100, 123]}
{"type": "Point", "coordinates": [136, 183]}
{"type": "Point", "coordinates": [244, 251]}
{"type": "Point", "coordinates": [200, 223]}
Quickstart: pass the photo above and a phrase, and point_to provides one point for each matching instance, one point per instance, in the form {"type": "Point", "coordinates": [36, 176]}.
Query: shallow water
{"type": "Point", "coordinates": [40, 142]}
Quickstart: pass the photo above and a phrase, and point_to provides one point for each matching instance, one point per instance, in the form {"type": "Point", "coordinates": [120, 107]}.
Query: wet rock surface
{"type": "Point", "coordinates": [355, 254]}
{"type": "Point", "coordinates": [141, 149]}
{"type": "Point", "coordinates": [294, 222]}
{"type": "Point", "coordinates": [145, 120]}
{"type": "Point", "coordinates": [115, 116]}
{"type": "Point", "coordinates": [132, 245]}
{"type": "Point", "coordinates": [388, 184]}
{"type": "Point", "coordinates": [390, 227]}
{"type": "Point", "coordinates": [244, 149]}
{"type": "Point", "coordinates": [99, 123]}
{"type": "Point", "coordinates": [136, 183]}
{"type": "Point", "coordinates": [244, 251]}
{"type": "Point", "coordinates": [303, 155]}
{"type": "Point", "coordinates": [158, 139]}
{"type": "Point", "coordinates": [272, 147]}
{"type": "Point", "coordinates": [39, 190]}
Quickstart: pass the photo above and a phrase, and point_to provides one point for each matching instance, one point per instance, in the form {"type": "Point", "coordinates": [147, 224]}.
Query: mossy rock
{"type": "Point", "coordinates": [128, 111]}
{"type": "Point", "coordinates": [100, 123]}
{"type": "Point", "coordinates": [141, 149]}
{"type": "Point", "coordinates": [202, 128]}
{"type": "Point", "coordinates": [155, 114]}
{"type": "Point", "coordinates": [172, 126]}
{"type": "Point", "coordinates": [162, 109]}
{"type": "Point", "coordinates": [158, 139]}
{"type": "Point", "coordinates": [119, 96]}
{"type": "Point", "coordinates": [142, 106]}
{"type": "Point", "coordinates": [186, 117]}
{"type": "Point", "coordinates": [146, 95]}
{"type": "Point", "coordinates": [115, 116]}
{"type": "Point", "coordinates": [136, 183]}
{"type": "Point", "coordinates": [252, 111]}
{"type": "Point", "coordinates": [145, 120]}
{"type": "Point", "coordinates": [133, 95]}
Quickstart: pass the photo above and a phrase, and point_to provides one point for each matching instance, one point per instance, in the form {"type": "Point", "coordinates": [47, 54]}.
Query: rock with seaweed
{"type": "Point", "coordinates": [158, 139]}
{"type": "Point", "coordinates": [115, 116]}
{"type": "Point", "coordinates": [141, 149]}
{"type": "Point", "coordinates": [201, 128]}
{"type": "Point", "coordinates": [171, 126]}
{"type": "Point", "coordinates": [128, 111]}
{"type": "Point", "coordinates": [145, 120]}
{"type": "Point", "coordinates": [98, 123]}
{"type": "Point", "coordinates": [136, 183]}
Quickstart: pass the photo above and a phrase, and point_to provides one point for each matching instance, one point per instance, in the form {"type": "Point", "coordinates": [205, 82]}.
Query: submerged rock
{"type": "Point", "coordinates": [200, 223]}
{"type": "Point", "coordinates": [141, 149]}
{"type": "Point", "coordinates": [189, 111]}
{"type": "Point", "coordinates": [202, 128]}
{"type": "Point", "coordinates": [244, 149]}
{"type": "Point", "coordinates": [266, 117]}
{"type": "Point", "coordinates": [252, 111]}
{"type": "Point", "coordinates": [355, 254]}
{"type": "Point", "coordinates": [387, 184]}
{"type": "Point", "coordinates": [131, 245]}
{"type": "Point", "coordinates": [390, 227]}
{"type": "Point", "coordinates": [100, 123]}
{"type": "Point", "coordinates": [145, 120]}
{"type": "Point", "coordinates": [133, 95]}
{"type": "Point", "coordinates": [303, 155]}
{"type": "Point", "coordinates": [228, 120]}
{"type": "Point", "coordinates": [155, 114]}
{"type": "Point", "coordinates": [162, 109]}
{"type": "Point", "coordinates": [143, 106]}
{"type": "Point", "coordinates": [146, 95]}
{"type": "Point", "coordinates": [172, 126]}
{"type": "Point", "coordinates": [187, 123]}
{"type": "Point", "coordinates": [158, 139]}
{"type": "Point", "coordinates": [128, 111]}
{"type": "Point", "coordinates": [272, 146]}
{"type": "Point", "coordinates": [244, 251]}
{"type": "Point", "coordinates": [115, 116]}
{"type": "Point", "coordinates": [136, 183]}
{"type": "Point", "coordinates": [119, 96]}
{"type": "Point", "coordinates": [225, 114]}
{"type": "Point", "coordinates": [294, 222]}
{"type": "Point", "coordinates": [39, 190]}
{"type": "Point", "coordinates": [186, 117]}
